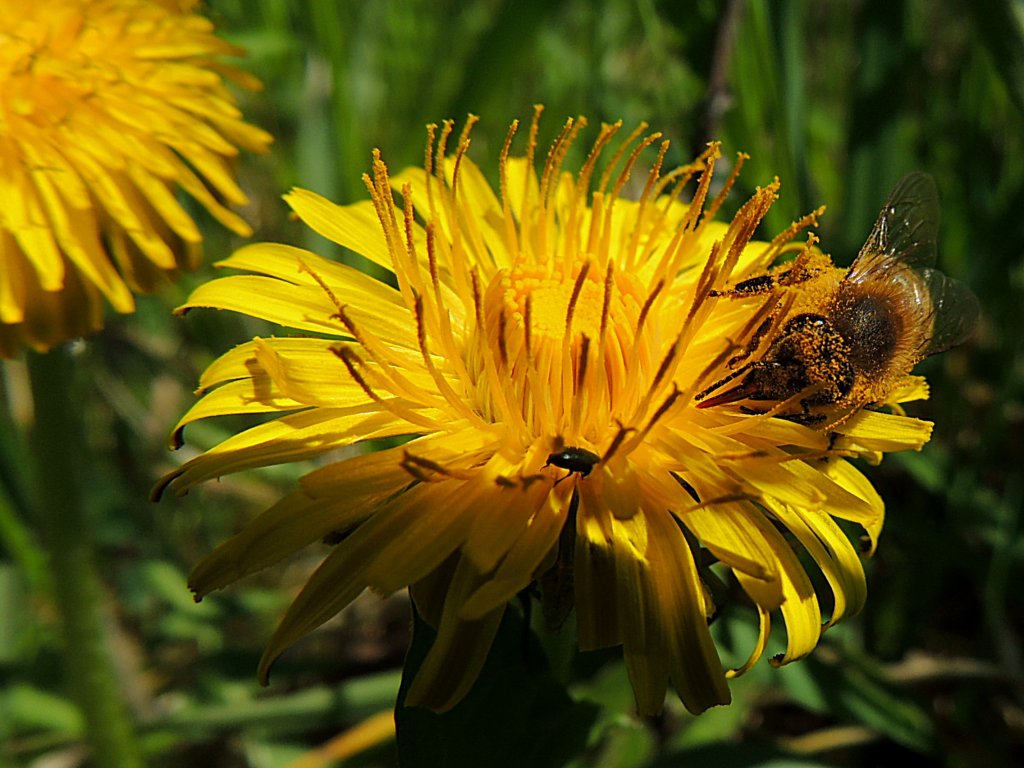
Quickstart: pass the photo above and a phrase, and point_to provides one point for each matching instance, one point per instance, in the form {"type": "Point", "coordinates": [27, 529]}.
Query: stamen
{"type": "Point", "coordinates": [797, 270]}
{"type": "Point", "coordinates": [700, 195]}
{"type": "Point", "coordinates": [382, 356]}
{"type": "Point", "coordinates": [415, 465]}
{"type": "Point", "coordinates": [630, 256]}
{"type": "Point", "coordinates": [304, 267]}
{"type": "Point", "coordinates": [616, 443]}
{"type": "Point", "coordinates": [627, 169]}
{"type": "Point", "coordinates": [350, 359]}
{"type": "Point", "coordinates": [729, 498]}
{"type": "Point", "coordinates": [646, 308]}
{"type": "Point", "coordinates": [428, 165]}
{"type": "Point", "coordinates": [549, 181]}
{"type": "Point", "coordinates": [748, 330]}
{"type": "Point", "coordinates": [471, 120]}
{"type": "Point", "coordinates": [580, 395]}
{"type": "Point", "coordinates": [654, 174]}
{"type": "Point", "coordinates": [606, 304]}
{"type": "Point", "coordinates": [383, 205]}
{"type": "Point", "coordinates": [620, 182]}
{"type": "Point", "coordinates": [682, 176]}
{"type": "Point", "coordinates": [782, 458]}
{"type": "Point", "coordinates": [663, 369]}
{"type": "Point", "coordinates": [675, 254]}
{"type": "Point", "coordinates": [511, 231]}
{"type": "Point", "coordinates": [712, 209]}
{"type": "Point", "coordinates": [435, 275]}
{"type": "Point", "coordinates": [463, 147]}
{"type": "Point", "coordinates": [455, 225]}
{"type": "Point", "coordinates": [346, 356]}
{"type": "Point", "coordinates": [581, 366]}
{"type": "Point", "coordinates": [587, 171]}
{"type": "Point", "coordinates": [610, 168]}
{"type": "Point", "coordinates": [709, 276]}
{"type": "Point", "coordinates": [409, 215]}
{"type": "Point", "coordinates": [746, 221]}
{"type": "Point", "coordinates": [502, 342]}
{"type": "Point", "coordinates": [531, 146]}
{"type": "Point", "coordinates": [531, 149]}
{"type": "Point", "coordinates": [554, 159]}
{"type": "Point", "coordinates": [583, 178]}
{"type": "Point", "coordinates": [456, 401]}
{"type": "Point", "coordinates": [428, 160]}
{"type": "Point", "coordinates": [527, 327]}
{"type": "Point", "coordinates": [786, 235]}
{"type": "Point", "coordinates": [478, 310]}
{"type": "Point", "coordinates": [664, 408]}
{"type": "Point", "coordinates": [577, 287]}
{"type": "Point", "coordinates": [442, 148]}
{"type": "Point", "coordinates": [410, 270]}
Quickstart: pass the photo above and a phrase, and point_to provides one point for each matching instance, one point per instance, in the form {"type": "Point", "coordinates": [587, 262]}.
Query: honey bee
{"type": "Point", "coordinates": [849, 336]}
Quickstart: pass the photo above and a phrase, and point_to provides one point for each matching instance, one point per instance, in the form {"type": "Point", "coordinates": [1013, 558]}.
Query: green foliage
{"type": "Point", "coordinates": [837, 99]}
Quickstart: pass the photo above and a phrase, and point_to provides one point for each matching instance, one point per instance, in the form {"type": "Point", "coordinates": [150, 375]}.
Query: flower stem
{"type": "Point", "coordinates": [57, 445]}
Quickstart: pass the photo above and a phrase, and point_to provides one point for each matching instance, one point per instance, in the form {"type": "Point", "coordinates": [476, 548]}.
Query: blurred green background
{"type": "Point", "coordinates": [839, 99]}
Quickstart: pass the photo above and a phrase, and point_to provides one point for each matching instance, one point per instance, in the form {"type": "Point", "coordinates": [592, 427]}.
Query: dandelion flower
{"type": "Point", "coordinates": [537, 353]}
{"type": "Point", "coordinates": [107, 107]}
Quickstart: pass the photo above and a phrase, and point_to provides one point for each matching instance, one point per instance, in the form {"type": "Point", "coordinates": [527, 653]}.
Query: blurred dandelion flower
{"type": "Point", "coordinates": [540, 355]}
{"type": "Point", "coordinates": [106, 107]}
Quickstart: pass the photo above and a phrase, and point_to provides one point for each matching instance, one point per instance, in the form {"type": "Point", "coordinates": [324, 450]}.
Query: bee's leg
{"type": "Point", "coordinates": [755, 340]}
{"type": "Point", "coordinates": [800, 270]}
{"type": "Point", "coordinates": [721, 383]}
{"type": "Point", "coordinates": [750, 287]}
{"type": "Point", "coordinates": [805, 416]}
{"type": "Point", "coordinates": [832, 437]}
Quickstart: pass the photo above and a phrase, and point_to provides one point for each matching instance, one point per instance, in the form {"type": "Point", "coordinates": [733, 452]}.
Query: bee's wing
{"type": "Point", "coordinates": [905, 232]}
{"type": "Point", "coordinates": [954, 311]}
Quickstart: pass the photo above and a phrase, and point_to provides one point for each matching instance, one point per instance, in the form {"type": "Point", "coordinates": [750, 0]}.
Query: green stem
{"type": "Point", "coordinates": [58, 446]}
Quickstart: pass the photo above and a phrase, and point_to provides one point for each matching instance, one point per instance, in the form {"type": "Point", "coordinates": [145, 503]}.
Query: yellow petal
{"type": "Point", "coordinates": [800, 603]}
{"type": "Point", "coordinates": [831, 550]}
{"type": "Point", "coordinates": [459, 651]}
{"type": "Point", "coordinates": [295, 437]}
{"type": "Point", "coordinates": [355, 226]}
{"type": "Point", "coordinates": [519, 566]}
{"type": "Point", "coordinates": [302, 307]}
{"type": "Point", "coordinates": [764, 628]}
{"type": "Point", "coordinates": [302, 267]}
{"type": "Point", "coordinates": [343, 574]}
{"type": "Point", "coordinates": [874, 431]}
{"type": "Point", "coordinates": [665, 630]}
{"type": "Point", "coordinates": [255, 395]}
{"type": "Point", "coordinates": [853, 498]}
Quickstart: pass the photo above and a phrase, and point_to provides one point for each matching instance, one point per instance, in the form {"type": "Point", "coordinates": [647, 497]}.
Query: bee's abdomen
{"type": "Point", "coordinates": [871, 329]}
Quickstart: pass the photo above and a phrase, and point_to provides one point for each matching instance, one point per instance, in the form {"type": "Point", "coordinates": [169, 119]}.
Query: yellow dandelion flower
{"type": "Point", "coordinates": [542, 353]}
{"type": "Point", "coordinates": [106, 108]}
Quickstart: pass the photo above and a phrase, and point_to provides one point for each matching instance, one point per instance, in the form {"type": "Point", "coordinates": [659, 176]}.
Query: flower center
{"type": "Point", "coordinates": [549, 297]}
{"type": "Point", "coordinates": [561, 345]}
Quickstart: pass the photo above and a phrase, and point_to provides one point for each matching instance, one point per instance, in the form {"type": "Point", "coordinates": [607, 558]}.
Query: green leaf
{"type": "Point", "coordinates": [517, 713]}
{"type": "Point", "coordinates": [854, 689]}
{"type": "Point", "coordinates": [30, 708]}
{"type": "Point", "coordinates": [1000, 24]}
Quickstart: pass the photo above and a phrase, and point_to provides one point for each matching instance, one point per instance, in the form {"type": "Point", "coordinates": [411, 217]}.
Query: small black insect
{"type": "Point", "coordinates": [574, 459]}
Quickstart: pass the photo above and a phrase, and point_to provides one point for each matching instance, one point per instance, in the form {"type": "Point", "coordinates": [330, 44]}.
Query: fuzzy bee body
{"type": "Point", "coordinates": [851, 335]}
